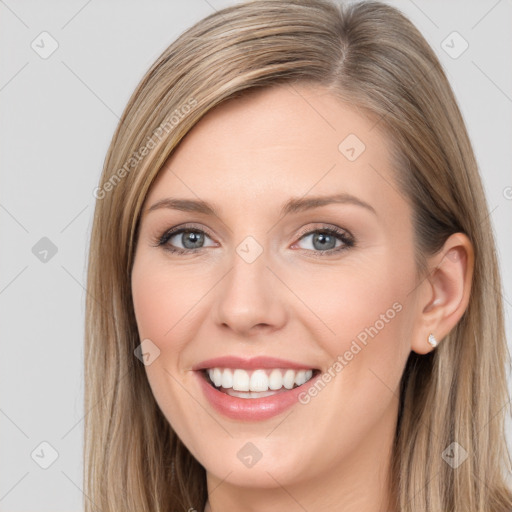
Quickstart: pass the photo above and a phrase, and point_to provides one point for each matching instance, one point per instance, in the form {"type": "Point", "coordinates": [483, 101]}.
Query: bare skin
{"type": "Point", "coordinates": [247, 158]}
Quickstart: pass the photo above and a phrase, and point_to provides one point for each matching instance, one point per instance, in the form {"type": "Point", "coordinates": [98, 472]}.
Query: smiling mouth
{"type": "Point", "coordinates": [257, 383]}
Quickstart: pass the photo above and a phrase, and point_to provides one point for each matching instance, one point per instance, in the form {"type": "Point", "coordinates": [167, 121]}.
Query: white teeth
{"type": "Point", "coordinates": [289, 379]}
{"type": "Point", "coordinates": [303, 376]}
{"type": "Point", "coordinates": [227, 378]}
{"type": "Point", "coordinates": [259, 381]}
{"type": "Point", "coordinates": [240, 380]}
{"type": "Point", "coordinates": [275, 380]}
{"type": "Point", "coordinates": [300, 378]}
{"type": "Point", "coordinates": [217, 377]}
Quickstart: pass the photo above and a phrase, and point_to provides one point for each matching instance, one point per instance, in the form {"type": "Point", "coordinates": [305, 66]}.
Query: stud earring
{"type": "Point", "coordinates": [432, 340]}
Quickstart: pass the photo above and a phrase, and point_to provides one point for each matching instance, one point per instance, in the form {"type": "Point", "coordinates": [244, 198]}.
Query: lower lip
{"type": "Point", "coordinates": [251, 409]}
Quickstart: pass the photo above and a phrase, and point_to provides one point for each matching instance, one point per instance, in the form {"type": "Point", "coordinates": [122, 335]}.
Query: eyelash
{"type": "Point", "coordinates": [340, 234]}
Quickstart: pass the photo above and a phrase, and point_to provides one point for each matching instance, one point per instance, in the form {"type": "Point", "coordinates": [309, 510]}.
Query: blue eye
{"type": "Point", "coordinates": [326, 240]}
{"type": "Point", "coordinates": [191, 239]}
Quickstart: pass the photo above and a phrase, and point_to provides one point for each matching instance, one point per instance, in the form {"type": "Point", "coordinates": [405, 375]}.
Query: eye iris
{"type": "Point", "coordinates": [322, 238]}
{"type": "Point", "coordinates": [192, 236]}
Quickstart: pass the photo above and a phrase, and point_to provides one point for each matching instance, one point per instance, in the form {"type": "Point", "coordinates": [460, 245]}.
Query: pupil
{"type": "Point", "coordinates": [193, 237]}
{"type": "Point", "coordinates": [322, 238]}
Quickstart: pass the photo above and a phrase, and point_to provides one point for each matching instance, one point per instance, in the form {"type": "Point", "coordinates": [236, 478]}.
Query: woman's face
{"type": "Point", "coordinates": [301, 268]}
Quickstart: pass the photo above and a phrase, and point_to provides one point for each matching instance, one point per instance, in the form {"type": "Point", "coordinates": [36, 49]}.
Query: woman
{"type": "Point", "coordinates": [294, 299]}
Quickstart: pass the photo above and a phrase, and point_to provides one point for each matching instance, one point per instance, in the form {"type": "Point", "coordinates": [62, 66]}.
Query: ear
{"type": "Point", "coordinates": [443, 296]}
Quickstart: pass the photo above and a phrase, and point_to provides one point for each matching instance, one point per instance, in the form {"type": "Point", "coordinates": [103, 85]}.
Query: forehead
{"type": "Point", "coordinates": [276, 143]}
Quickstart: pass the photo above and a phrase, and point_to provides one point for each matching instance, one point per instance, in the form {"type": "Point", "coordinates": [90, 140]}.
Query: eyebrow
{"type": "Point", "coordinates": [293, 205]}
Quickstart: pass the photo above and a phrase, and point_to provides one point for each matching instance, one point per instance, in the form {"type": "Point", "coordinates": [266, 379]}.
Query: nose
{"type": "Point", "coordinates": [250, 299]}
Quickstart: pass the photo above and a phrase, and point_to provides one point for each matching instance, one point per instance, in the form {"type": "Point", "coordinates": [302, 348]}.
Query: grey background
{"type": "Point", "coordinates": [58, 115]}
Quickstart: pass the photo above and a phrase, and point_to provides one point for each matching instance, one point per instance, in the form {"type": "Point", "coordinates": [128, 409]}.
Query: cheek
{"type": "Point", "coordinates": [357, 303]}
{"type": "Point", "coordinates": [368, 314]}
{"type": "Point", "coordinates": [166, 302]}
{"type": "Point", "coordinates": [163, 299]}
{"type": "Point", "coordinates": [366, 309]}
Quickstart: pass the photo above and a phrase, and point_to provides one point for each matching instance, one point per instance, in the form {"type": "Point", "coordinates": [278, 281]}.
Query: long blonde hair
{"type": "Point", "coordinates": [370, 55]}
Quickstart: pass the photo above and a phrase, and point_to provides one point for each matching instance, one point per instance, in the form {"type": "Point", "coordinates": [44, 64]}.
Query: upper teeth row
{"type": "Point", "coordinates": [258, 380]}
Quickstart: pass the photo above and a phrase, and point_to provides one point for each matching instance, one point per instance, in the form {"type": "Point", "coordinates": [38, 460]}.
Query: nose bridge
{"type": "Point", "coordinates": [248, 296]}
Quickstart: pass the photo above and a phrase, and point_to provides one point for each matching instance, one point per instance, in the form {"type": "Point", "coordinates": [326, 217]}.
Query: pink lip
{"type": "Point", "coordinates": [251, 409]}
{"type": "Point", "coordinates": [252, 363]}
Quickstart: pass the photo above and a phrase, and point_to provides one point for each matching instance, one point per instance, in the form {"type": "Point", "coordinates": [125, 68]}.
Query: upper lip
{"type": "Point", "coordinates": [251, 363]}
